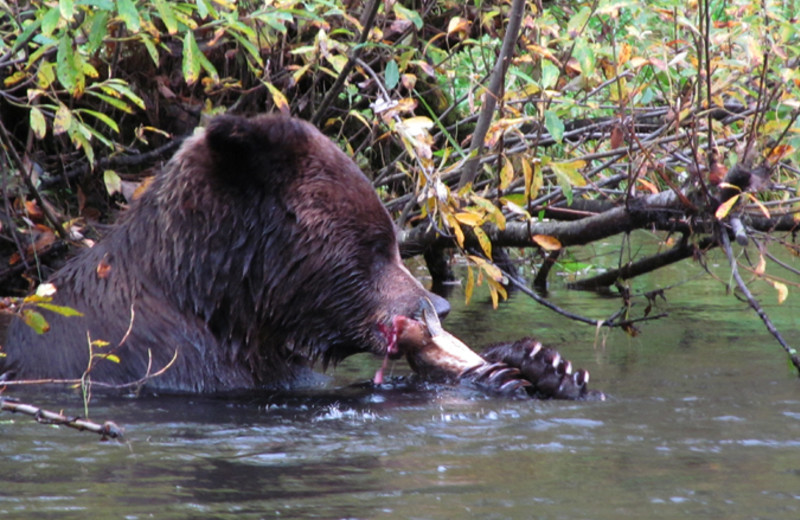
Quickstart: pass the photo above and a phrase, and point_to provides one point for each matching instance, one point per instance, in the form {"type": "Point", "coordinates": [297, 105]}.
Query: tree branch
{"type": "Point", "coordinates": [107, 429]}
{"type": "Point", "coordinates": [726, 246]}
{"type": "Point", "coordinates": [496, 82]}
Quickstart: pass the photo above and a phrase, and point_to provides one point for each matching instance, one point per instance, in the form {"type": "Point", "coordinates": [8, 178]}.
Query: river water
{"type": "Point", "coordinates": [703, 421]}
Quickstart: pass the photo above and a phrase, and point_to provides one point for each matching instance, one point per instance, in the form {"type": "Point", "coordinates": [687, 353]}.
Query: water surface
{"type": "Point", "coordinates": [703, 422]}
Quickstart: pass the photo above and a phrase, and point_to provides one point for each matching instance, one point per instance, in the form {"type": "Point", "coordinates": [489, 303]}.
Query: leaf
{"type": "Point", "coordinates": [38, 123]}
{"type": "Point", "coordinates": [783, 291]}
{"type": "Point", "coordinates": [63, 310]}
{"type": "Point", "coordinates": [470, 219]}
{"type": "Point", "coordinates": [391, 75]}
{"type": "Point", "coordinates": [110, 357]}
{"type": "Point", "coordinates": [507, 173]}
{"type": "Point", "coordinates": [35, 321]}
{"type": "Point", "coordinates": [66, 8]}
{"type": "Point", "coordinates": [554, 125]}
{"type": "Point", "coordinates": [112, 181]}
{"type": "Point", "coordinates": [65, 63]}
{"type": "Point", "coordinates": [45, 290]}
{"type": "Point", "coordinates": [63, 119]}
{"type": "Point", "coordinates": [547, 242]}
{"type": "Point", "coordinates": [191, 59]}
{"type": "Point", "coordinates": [405, 13]}
{"type": "Point", "coordinates": [725, 207]}
{"type": "Point", "coordinates": [129, 14]}
{"type": "Point", "coordinates": [470, 285]}
{"type": "Point", "coordinates": [167, 15]}
{"type": "Point", "coordinates": [278, 98]}
{"type": "Point", "coordinates": [483, 240]}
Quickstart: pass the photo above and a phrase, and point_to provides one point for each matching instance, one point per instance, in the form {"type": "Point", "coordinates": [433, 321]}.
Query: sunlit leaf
{"type": "Point", "coordinates": [547, 242]}
{"type": "Point", "coordinates": [725, 207]}
{"type": "Point", "coordinates": [45, 290]}
{"type": "Point", "coordinates": [783, 291]}
{"type": "Point", "coordinates": [470, 219]}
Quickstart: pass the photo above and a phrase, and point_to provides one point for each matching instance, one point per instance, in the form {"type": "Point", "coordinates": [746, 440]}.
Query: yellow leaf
{"type": "Point", "coordinates": [725, 207]}
{"type": "Point", "coordinates": [278, 98]}
{"type": "Point", "coordinates": [527, 172]}
{"type": "Point", "coordinates": [547, 242]}
{"type": "Point", "coordinates": [570, 170]}
{"type": "Point", "coordinates": [762, 265]}
{"type": "Point", "coordinates": [483, 240]}
{"type": "Point", "coordinates": [759, 205]}
{"type": "Point", "coordinates": [63, 119]}
{"type": "Point", "coordinates": [506, 174]}
{"type": "Point", "coordinates": [470, 219]}
{"type": "Point", "coordinates": [783, 291]}
{"type": "Point", "coordinates": [470, 285]}
{"type": "Point", "coordinates": [454, 225]}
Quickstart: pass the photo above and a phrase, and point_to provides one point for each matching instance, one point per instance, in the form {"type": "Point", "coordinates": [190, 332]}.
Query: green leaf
{"type": "Point", "coordinates": [391, 74]}
{"type": "Point", "coordinates": [38, 123]}
{"type": "Point", "coordinates": [35, 321]}
{"type": "Point", "coordinates": [65, 63]}
{"type": "Point", "coordinates": [550, 74]}
{"type": "Point", "coordinates": [167, 16]}
{"type": "Point", "coordinates": [407, 14]}
{"type": "Point", "coordinates": [102, 117]}
{"type": "Point", "coordinates": [112, 181]}
{"type": "Point", "coordinates": [63, 310]}
{"type": "Point", "coordinates": [129, 14]}
{"type": "Point", "coordinates": [554, 125]}
{"type": "Point", "coordinates": [98, 31]}
{"type": "Point", "coordinates": [191, 59]}
{"type": "Point", "coordinates": [67, 9]}
{"type": "Point", "coordinates": [50, 22]}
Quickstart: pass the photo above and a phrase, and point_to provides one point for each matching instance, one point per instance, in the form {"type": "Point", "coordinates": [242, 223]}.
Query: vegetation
{"type": "Point", "coordinates": [484, 125]}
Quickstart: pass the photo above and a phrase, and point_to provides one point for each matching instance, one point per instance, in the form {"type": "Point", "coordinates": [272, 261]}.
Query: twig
{"type": "Point", "coordinates": [610, 322]}
{"type": "Point", "coordinates": [726, 246]}
{"type": "Point", "coordinates": [368, 20]}
{"type": "Point", "coordinates": [108, 429]}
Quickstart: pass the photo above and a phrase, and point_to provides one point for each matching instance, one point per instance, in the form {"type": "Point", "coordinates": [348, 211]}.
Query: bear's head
{"type": "Point", "coordinates": [273, 236]}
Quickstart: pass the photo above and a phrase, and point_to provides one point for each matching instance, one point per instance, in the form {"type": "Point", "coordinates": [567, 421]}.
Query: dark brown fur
{"type": "Point", "coordinates": [260, 248]}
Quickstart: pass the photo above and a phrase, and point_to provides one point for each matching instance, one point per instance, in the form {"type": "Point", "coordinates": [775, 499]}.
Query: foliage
{"type": "Point", "coordinates": [602, 103]}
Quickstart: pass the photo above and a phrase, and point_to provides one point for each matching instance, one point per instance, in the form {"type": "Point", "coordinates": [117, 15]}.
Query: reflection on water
{"type": "Point", "coordinates": [704, 422]}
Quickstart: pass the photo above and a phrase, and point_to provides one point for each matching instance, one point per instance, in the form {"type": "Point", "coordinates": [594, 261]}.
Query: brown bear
{"type": "Point", "coordinates": [258, 250]}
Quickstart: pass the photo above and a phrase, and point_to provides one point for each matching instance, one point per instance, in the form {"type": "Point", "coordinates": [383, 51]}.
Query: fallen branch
{"type": "Point", "coordinates": [108, 429]}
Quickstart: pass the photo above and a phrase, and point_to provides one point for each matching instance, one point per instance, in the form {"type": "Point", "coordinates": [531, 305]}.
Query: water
{"type": "Point", "coordinates": [703, 422]}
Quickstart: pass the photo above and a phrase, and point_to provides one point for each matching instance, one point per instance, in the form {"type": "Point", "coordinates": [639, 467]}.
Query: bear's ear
{"type": "Point", "coordinates": [243, 145]}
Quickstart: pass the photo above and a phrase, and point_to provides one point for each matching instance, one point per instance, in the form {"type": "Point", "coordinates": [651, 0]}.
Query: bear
{"type": "Point", "coordinates": [258, 250]}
